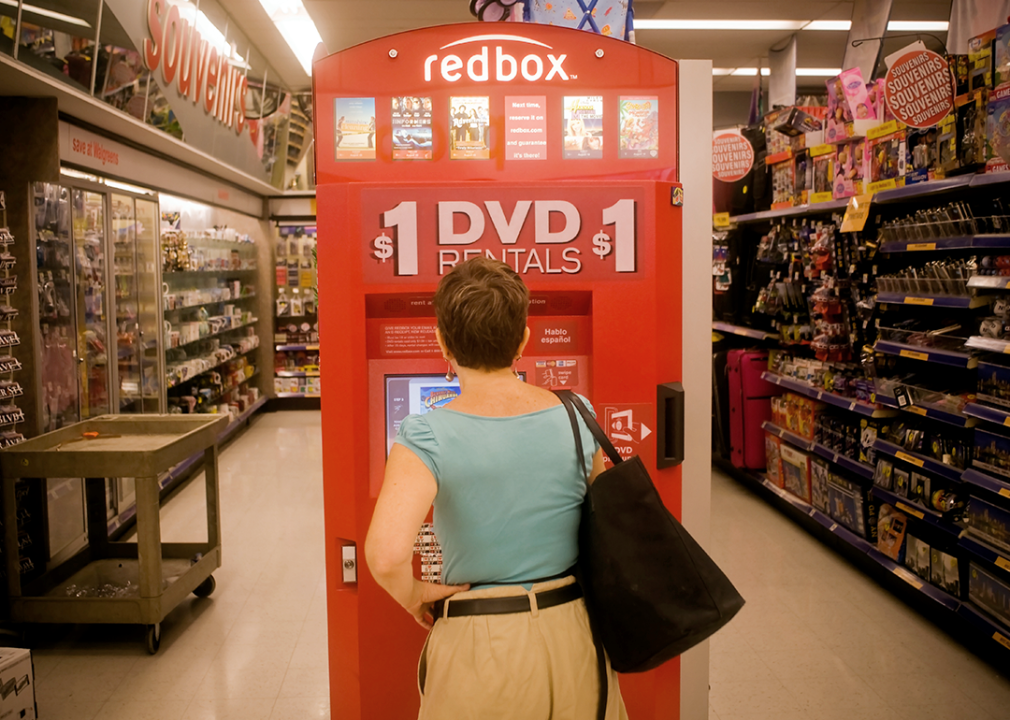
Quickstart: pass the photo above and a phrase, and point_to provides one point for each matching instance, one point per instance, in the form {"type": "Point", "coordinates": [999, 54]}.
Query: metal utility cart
{"type": "Point", "coordinates": [116, 582]}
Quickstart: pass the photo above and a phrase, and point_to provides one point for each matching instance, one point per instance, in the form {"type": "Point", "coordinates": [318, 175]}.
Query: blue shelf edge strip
{"type": "Point", "coordinates": [866, 471]}
{"type": "Point", "coordinates": [931, 412]}
{"type": "Point", "coordinates": [983, 552]}
{"type": "Point", "coordinates": [923, 462]}
{"type": "Point", "coordinates": [908, 192]}
{"type": "Point", "coordinates": [790, 437]}
{"type": "Point", "coordinates": [945, 357]}
{"type": "Point", "coordinates": [986, 482]}
{"type": "Point", "coordinates": [989, 414]}
{"type": "Point", "coordinates": [822, 395]}
{"type": "Point", "coordinates": [990, 628]}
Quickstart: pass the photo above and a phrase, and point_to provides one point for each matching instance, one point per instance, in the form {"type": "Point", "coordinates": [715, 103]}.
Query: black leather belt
{"type": "Point", "coordinates": [507, 605]}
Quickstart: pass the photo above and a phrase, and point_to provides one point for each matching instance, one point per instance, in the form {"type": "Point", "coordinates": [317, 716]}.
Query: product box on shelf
{"type": "Point", "coordinates": [992, 452]}
{"type": "Point", "coordinates": [888, 159]}
{"type": "Point", "coordinates": [901, 482]}
{"type": "Point", "coordinates": [847, 503]}
{"type": "Point", "coordinates": [796, 472]}
{"type": "Point", "coordinates": [783, 185]}
{"type": "Point", "coordinates": [850, 169]}
{"type": "Point", "coordinates": [801, 414]}
{"type": "Point", "coordinates": [794, 121]}
{"type": "Point", "coordinates": [891, 527]}
{"type": "Point", "coordinates": [839, 121]}
{"type": "Point", "coordinates": [861, 105]}
{"type": "Point", "coordinates": [993, 384]}
{"type": "Point", "coordinates": [883, 476]}
{"type": "Point", "coordinates": [803, 177]}
{"type": "Point", "coordinates": [970, 112]}
{"type": "Point", "coordinates": [820, 474]}
{"type": "Point", "coordinates": [17, 678]}
{"type": "Point", "coordinates": [989, 592]}
{"type": "Point", "coordinates": [773, 456]}
{"type": "Point", "coordinates": [980, 60]}
{"type": "Point", "coordinates": [869, 430]}
{"type": "Point", "coordinates": [921, 155]}
{"type": "Point", "coordinates": [917, 556]}
{"type": "Point", "coordinates": [988, 523]}
{"type": "Point", "coordinates": [958, 65]}
{"type": "Point", "coordinates": [919, 489]}
{"type": "Point", "coordinates": [946, 145]}
{"type": "Point", "coordinates": [824, 174]}
{"type": "Point", "coordinates": [945, 572]}
{"type": "Point", "coordinates": [997, 130]}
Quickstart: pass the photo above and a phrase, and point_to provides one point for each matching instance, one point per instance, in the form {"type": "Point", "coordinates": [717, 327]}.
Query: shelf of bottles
{"type": "Point", "coordinates": [296, 321]}
{"type": "Point", "coordinates": [208, 324]}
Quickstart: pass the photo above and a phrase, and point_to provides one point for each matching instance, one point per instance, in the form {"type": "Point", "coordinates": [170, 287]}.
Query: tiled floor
{"type": "Point", "coordinates": [817, 639]}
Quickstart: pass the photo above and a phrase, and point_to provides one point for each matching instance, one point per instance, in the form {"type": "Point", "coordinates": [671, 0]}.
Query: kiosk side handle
{"type": "Point", "coordinates": [669, 425]}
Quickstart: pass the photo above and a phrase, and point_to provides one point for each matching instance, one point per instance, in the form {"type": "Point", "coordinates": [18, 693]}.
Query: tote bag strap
{"type": "Point", "coordinates": [572, 401]}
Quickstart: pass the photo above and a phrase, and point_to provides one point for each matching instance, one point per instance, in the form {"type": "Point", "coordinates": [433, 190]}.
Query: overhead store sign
{"type": "Point", "coordinates": [732, 157]}
{"type": "Point", "coordinates": [918, 88]}
{"type": "Point", "coordinates": [194, 65]}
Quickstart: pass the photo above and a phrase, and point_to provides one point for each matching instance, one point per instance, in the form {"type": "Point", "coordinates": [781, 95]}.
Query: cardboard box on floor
{"type": "Point", "coordinates": [17, 685]}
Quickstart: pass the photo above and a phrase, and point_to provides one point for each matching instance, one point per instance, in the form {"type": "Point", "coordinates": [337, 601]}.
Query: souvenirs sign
{"type": "Point", "coordinates": [918, 88]}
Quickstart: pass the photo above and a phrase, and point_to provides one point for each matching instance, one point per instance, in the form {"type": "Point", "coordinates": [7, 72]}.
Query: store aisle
{"type": "Point", "coordinates": [820, 640]}
{"type": "Point", "coordinates": [256, 650]}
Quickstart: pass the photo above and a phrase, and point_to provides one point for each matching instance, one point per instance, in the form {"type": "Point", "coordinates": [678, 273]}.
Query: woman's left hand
{"type": "Point", "coordinates": [425, 595]}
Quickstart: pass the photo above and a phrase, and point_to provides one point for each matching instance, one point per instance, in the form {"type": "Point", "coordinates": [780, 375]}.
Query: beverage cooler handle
{"type": "Point", "coordinates": [670, 425]}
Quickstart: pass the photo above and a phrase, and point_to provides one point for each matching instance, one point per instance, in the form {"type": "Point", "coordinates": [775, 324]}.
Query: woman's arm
{"type": "Point", "coordinates": [598, 466]}
{"type": "Point", "coordinates": [408, 491]}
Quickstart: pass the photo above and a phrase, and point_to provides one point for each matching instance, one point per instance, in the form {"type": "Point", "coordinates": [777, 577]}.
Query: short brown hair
{"type": "Point", "coordinates": [481, 307]}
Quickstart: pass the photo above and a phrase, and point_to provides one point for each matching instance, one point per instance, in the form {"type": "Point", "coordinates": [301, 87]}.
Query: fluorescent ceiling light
{"type": "Point", "coordinates": [210, 32]}
{"type": "Point", "coordinates": [70, 172]}
{"type": "Point", "coordinates": [829, 25]}
{"type": "Point", "coordinates": [655, 24]}
{"type": "Point", "coordinates": [129, 188]}
{"type": "Point", "coordinates": [296, 27]}
{"type": "Point", "coordinates": [765, 72]}
{"type": "Point", "coordinates": [42, 12]}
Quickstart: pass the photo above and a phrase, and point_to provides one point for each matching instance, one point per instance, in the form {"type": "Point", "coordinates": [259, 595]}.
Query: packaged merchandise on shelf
{"type": "Point", "coordinates": [773, 456]}
{"type": "Point", "coordinates": [842, 379]}
{"type": "Point", "coordinates": [945, 572]}
{"type": "Point", "coordinates": [989, 593]}
{"type": "Point", "coordinates": [839, 432]}
{"type": "Point", "coordinates": [980, 60]}
{"type": "Point", "coordinates": [901, 482]}
{"type": "Point", "coordinates": [917, 556]}
{"type": "Point", "coordinates": [869, 430]}
{"type": "Point", "coordinates": [820, 474]}
{"type": "Point", "coordinates": [839, 123]}
{"type": "Point", "coordinates": [945, 150]}
{"type": "Point", "coordinates": [783, 185]}
{"type": "Point", "coordinates": [997, 130]}
{"type": "Point", "coordinates": [1001, 56]}
{"type": "Point", "coordinates": [850, 169]}
{"type": "Point", "coordinates": [920, 488]}
{"type": "Point", "coordinates": [970, 130]}
{"type": "Point", "coordinates": [945, 277]}
{"type": "Point", "coordinates": [803, 177]}
{"type": "Point", "coordinates": [923, 161]}
{"type": "Point", "coordinates": [992, 452]}
{"type": "Point", "coordinates": [883, 475]}
{"type": "Point", "coordinates": [926, 438]}
{"type": "Point", "coordinates": [797, 414]}
{"type": "Point", "coordinates": [861, 106]}
{"type": "Point", "coordinates": [891, 527]}
{"type": "Point", "coordinates": [824, 176]}
{"type": "Point", "coordinates": [888, 157]}
{"type": "Point", "coordinates": [794, 122]}
{"type": "Point", "coordinates": [796, 472]}
{"type": "Point", "coordinates": [993, 384]}
{"type": "Point", "coordinates": [988, 522]}
{"type": "Point", "coordinates": [849, 505]}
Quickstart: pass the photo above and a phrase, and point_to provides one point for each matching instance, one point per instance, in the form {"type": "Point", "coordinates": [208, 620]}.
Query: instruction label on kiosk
{"type": "Point", "coordinates": [582, 233]}
{"type": "Point", "coordinates": [626, 424]}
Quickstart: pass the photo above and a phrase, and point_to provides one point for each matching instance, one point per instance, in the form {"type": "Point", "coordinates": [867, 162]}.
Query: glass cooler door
{"type": "Point", "coordinates": [54, 250]}
{"type": "Point", "coordinates": [92, 319]}
{"type": "Point", "coordinates": [129, 352]}
{"type": "Point", "coordinates": [149, 294]}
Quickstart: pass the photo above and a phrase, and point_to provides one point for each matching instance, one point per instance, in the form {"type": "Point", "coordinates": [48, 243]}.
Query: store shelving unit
{"type": "Point", "coordinates": [296, 334]}
{"type": "Point", "coordinates": [742, 331]}
{"type": "Point", "coordinates": [953, 370]}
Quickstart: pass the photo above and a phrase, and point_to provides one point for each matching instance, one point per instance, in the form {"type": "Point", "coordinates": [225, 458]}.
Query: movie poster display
{"type": "Point", "coordinates": [355, 128]}
{"type": "Point", "coordinates": [639, 127]}
{"type": "Point", "coordinates": [469, 118]}
{"type": "Point", "coordinates": [412, 128]}
{"type": "Point", "coordinates": [583, 133]}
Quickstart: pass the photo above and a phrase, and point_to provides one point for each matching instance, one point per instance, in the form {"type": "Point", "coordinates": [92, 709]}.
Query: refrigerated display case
{"type": "Point", "coordinates": [99, 319]}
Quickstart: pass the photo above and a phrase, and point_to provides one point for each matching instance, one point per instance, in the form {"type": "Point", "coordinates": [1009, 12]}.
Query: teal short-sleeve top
{"type": "Point", "coordinates": [510, 491]}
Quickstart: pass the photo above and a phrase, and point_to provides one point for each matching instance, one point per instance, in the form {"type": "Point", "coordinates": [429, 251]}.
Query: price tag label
{"type": "Point", "coordinates": [888, 128]}
{"type": "Point", "coordinates": [908, 577]}
{"type": "Point", "coordinates": [1002, 562]}
{"type": "Point", "coordinates": [1001, 640]}
{"type": "Point", "coordinates": [918, 301]}
{"type": "Point", "coordinates": [914, 355]}
{"type": "Point", "coordinates": [917, 410]}
{"type": "Point", "coordinates": [820, 197]}
{"type": "Point", "coordinates": [721, 220]}
{"type": "Point", "coordinates": [813, 511]}
{"type": "Point", "coordinates": [909, 459]}
{"type": "Point", "coordinates": [910, 510]}
{"type": "Point", "coordinates": [1005, 493]}
{"type": "Point", "coordinates": [1006, 421]}
{"type": "Point", "coordinates": [856, 213]}
{"type": "Point", "coordinates": [834, 526]}
{"type": "Point", "coordinates": [921, 246]}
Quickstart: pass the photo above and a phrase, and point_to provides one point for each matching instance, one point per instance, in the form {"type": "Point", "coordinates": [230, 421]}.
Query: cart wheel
{"type": "Point", "coordinates": [153, 638]}
{"type": "Point", "coordinates": [206, 588]}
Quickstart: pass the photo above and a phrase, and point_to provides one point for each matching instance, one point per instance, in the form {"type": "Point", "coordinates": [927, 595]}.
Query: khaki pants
{"type": "Point", "coordinates": [538, 665]}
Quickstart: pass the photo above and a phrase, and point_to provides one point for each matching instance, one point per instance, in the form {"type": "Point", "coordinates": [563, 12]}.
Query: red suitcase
{"type": "Point", "coordinates": [749, 406]}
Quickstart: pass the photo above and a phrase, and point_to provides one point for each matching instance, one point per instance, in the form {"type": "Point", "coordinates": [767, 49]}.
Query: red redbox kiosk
{"type": "Point", "coordinates": [553, 150]}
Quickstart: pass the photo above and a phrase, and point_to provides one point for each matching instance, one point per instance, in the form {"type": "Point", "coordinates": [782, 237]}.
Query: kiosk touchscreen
{"type": "Point", "coordinates": [555, 151]}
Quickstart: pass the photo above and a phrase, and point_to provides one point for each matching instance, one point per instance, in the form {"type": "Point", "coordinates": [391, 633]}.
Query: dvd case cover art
{"type": "Point", "coordinates": [639, 129]}
{"type": "Point", "coordinates": [411, 128]}
{"type": "Point", "coordinates": [355, 128]}
{"type": "Point", "coordinates": [583, 138]}
{"type": "Point", "coordinates": [469, 118]}
{"type": "Point", "coordinates": [436, 396]}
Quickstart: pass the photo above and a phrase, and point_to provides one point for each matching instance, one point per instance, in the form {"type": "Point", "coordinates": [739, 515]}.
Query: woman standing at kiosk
{"type": "Point", "coordinates": [511, 636]}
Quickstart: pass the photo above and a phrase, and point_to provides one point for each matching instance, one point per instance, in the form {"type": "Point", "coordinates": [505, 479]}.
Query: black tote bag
{"type": "Point", "coordinates": [650, 589]}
